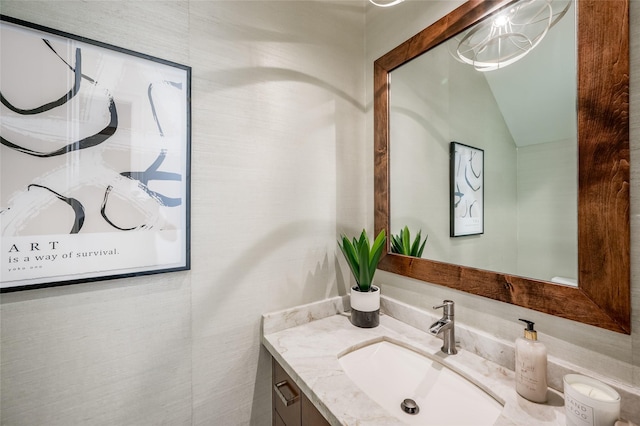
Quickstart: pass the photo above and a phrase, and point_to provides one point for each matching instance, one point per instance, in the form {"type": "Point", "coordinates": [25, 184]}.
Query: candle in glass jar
{"type": "Point", "coordinates": [589, 402]}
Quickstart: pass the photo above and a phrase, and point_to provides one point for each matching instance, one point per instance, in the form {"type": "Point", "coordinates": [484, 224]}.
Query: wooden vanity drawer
{"type": "Point", "coordinates": [291, 407]}
{"type": "Point", "coordinates": [286, 397]}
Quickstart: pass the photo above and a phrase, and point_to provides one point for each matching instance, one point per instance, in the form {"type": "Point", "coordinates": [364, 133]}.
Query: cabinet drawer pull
{"type": "Point", "coordinates": [290, 397]}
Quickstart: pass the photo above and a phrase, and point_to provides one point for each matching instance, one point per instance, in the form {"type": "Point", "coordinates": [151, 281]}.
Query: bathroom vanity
{"type": "Point", "coordinates": [308, 342]}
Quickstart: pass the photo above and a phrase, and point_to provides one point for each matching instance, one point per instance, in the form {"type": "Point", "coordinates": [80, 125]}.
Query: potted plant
{"type": "Point", "coordinates": [363, 260]}
{"type": "Point", "coordinates": [402, 244]}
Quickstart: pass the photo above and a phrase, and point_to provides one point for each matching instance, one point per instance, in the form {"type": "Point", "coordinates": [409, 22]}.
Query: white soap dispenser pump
{"type": "Point", "coordinates": [531, 365]}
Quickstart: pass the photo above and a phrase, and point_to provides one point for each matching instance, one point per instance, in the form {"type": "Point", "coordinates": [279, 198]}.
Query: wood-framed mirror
{"type": "Point", "coordinates": [602, 295]}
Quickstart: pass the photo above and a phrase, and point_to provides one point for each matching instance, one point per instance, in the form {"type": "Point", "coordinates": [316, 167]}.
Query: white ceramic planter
{"type": "Point", "coordinates": [365, 307]}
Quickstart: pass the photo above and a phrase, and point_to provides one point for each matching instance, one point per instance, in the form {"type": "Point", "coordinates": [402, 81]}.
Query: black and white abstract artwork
{"type": "Point", "coordinates": [94, 161]}
{"type": "Point", "coordinates": [467, 190]}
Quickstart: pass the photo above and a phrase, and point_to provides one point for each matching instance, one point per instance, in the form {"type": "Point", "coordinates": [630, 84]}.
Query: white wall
{"type": "Point", "coordinates": [547, 206]}
{"type": "Point", "coordinates": [277, 173]}
{"type": "Point", "coordinates": [611, 354]}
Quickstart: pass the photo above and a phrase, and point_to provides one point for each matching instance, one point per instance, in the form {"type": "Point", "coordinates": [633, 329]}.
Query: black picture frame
{"type": "Point", "coordinates": [466, 190]}
{"type": "Point", "coordinates": [95, 160]}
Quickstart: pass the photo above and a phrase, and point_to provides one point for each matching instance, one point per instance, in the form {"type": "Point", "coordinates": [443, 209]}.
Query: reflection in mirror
{"type": "Point", "coordinates": [524, 118]}
{"type": "Point", "coordinates": [602, 295]}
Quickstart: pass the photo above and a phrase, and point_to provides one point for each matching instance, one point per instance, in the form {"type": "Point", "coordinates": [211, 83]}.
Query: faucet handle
{"type": "Point", "coordinates": [448, 307]}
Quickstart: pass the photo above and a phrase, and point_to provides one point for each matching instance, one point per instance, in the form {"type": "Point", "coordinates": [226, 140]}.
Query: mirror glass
{"type": "Point", "coordinates": [523, 117]}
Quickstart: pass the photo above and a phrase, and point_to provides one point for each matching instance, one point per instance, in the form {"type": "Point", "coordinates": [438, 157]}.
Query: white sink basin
{"type": "Point", "coordinates": [389, 374]}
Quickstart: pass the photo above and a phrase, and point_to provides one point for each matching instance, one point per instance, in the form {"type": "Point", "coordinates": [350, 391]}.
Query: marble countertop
{"type": "Point", "coordinates": [307, 341]}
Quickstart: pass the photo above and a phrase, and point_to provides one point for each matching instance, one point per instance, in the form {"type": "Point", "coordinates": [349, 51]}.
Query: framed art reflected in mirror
{"type": "Point", "coordinates": [467, 190]}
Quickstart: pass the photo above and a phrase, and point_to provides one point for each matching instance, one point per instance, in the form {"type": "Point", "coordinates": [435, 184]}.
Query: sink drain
{"type": "Point", "coordinates": [409, 406]}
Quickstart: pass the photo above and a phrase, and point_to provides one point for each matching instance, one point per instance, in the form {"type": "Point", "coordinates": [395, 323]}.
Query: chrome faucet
{"type": "Point", "coordinates": [446, 326]}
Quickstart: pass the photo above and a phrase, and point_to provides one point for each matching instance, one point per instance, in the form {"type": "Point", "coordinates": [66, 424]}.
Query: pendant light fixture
{"type": "Point", "coordinates": [509, 35]}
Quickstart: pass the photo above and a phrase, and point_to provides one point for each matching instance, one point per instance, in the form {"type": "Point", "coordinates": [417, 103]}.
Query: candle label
{"type": "Point", "coordinates": [578, 414]}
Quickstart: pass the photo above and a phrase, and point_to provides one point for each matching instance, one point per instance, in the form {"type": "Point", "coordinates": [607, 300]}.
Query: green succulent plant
{"type": "Point", "coordinates": [402, 244]}
{"type": "Point", "coordinates": [363, 258]}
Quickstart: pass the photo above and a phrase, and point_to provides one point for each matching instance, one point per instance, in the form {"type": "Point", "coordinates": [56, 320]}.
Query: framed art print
{"type": "Point", "coordinates": [94, 161]}
{"type": "Point", "coordinates": [467, 190]}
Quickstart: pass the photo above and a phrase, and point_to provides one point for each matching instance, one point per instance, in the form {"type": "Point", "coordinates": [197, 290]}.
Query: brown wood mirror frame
{"type": "Point", "coordinates": [603, 295]}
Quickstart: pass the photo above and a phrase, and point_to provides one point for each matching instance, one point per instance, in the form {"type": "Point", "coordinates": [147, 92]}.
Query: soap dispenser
{"type": "Point", "coordinates": [531, 365]}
